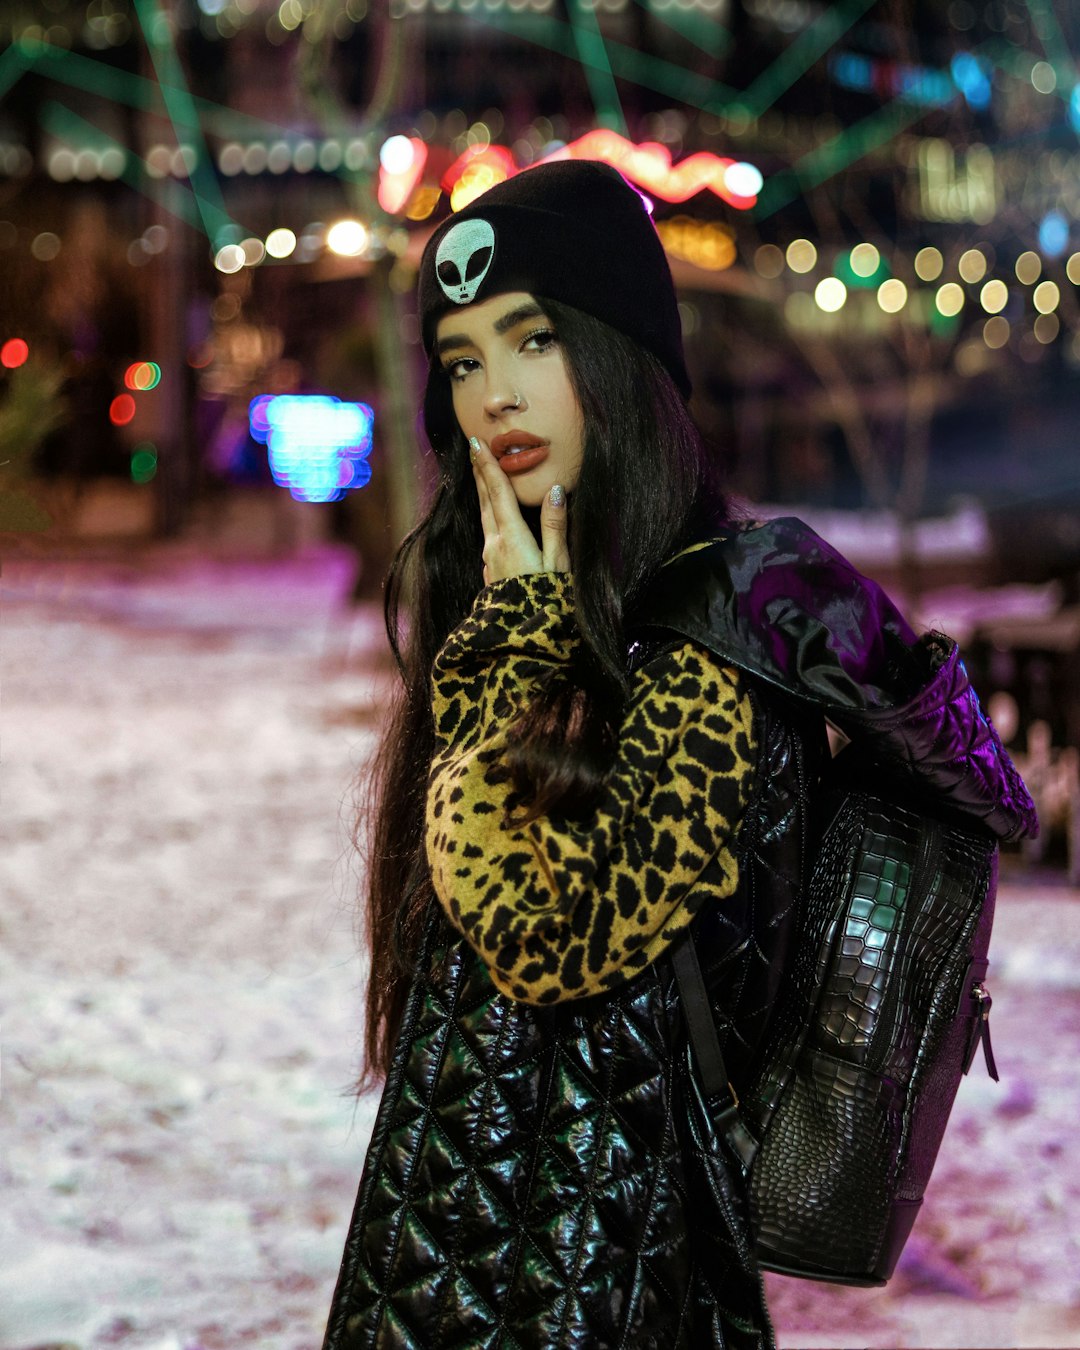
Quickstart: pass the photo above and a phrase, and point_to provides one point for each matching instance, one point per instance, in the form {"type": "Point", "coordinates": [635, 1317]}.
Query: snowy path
{"type": "Point", "coordinates": [180, 990]}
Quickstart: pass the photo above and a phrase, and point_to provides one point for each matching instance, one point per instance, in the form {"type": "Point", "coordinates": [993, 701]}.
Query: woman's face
{"type": "Point", "coordinates": [511, 388]}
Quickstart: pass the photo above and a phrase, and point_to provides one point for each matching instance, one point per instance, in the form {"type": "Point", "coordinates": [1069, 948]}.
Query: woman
{"type": "Point", "coordinates": [562, 791]}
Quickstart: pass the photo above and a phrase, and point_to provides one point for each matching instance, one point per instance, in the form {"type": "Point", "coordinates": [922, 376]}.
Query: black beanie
{"type": "Point", "coordinates": [573, 231]}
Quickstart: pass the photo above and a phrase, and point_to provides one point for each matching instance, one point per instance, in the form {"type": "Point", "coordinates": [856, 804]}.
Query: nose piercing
{"type": "Point", "coordinates": [517, 401]}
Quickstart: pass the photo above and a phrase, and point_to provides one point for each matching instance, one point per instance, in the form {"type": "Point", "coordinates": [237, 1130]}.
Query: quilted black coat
{"type": "Point", "coordinates": [548, 1178]}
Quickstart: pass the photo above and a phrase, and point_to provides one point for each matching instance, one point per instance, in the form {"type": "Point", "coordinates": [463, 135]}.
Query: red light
{"type": "Point", "coordinates": [142, 375]}
{"type": "Point", "coordinates": [121, 410]}
{"type": "Point", "coordinates": [13, 353]}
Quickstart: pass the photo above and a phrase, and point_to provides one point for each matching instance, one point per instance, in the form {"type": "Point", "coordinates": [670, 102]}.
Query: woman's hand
{"type": "Point", "coordinates": [509, 546]}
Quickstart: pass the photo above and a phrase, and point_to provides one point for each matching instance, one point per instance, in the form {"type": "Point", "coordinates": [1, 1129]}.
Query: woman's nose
{"type": "Point", "coordinates": [501, 399]}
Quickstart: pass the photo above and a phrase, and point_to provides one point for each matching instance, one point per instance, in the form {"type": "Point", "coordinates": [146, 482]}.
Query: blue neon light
{"type": "Point", "coordinates": [316, 445]}
{"type": "Point", "coordinates": [972, 77]}
{"type": "Point", "coordinates": [1053, 234]}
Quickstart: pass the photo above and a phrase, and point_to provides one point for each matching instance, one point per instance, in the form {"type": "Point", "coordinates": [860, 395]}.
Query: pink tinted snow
{"type": "Point", "coordinates": [181, 989]}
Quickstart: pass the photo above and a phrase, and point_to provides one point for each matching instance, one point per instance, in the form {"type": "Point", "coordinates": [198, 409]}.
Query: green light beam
{"type": "Point", "coordinates": [136, 91]}
{"type": "Point", "coordinates": [157, 31]}
{"type": "Point", "coordinates": [842, 150]}
{"type": "Point", "coordinates": [705, 33]}
{"type": "Point", "coordinates": [640, 68]}
{"type": "Point", "coordinates": [12, 67]}
{"type": "Point", "coordinates": [593, 58]}
{"type": "Point", "coordinates": [177, 198]}
{"type": "Point", "coordinates": [797, 59]}
{"type": "Point", "coordinates": [1048, 31]}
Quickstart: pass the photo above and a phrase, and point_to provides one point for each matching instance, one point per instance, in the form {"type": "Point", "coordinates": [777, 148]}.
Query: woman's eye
{"type": "Point", "coordinates": [457, 370]}
{"type": "Point", "coordinates": [540, 339]}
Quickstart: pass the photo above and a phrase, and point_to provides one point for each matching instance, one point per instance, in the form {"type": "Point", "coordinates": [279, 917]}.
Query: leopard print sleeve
{"type": "Point", "coordinates": [564, 908]}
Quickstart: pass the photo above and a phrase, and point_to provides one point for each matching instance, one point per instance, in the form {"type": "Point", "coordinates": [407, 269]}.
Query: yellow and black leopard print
{"type": "Point", "coordinates": [562, 908]}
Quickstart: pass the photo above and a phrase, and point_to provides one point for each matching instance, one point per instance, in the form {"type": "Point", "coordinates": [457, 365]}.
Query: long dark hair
{"type": "Point", "coordinates": [648, 487]}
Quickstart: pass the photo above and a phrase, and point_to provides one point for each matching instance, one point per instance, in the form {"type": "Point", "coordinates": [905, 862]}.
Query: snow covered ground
{"type": "Point", "coordinates": [180, 985]}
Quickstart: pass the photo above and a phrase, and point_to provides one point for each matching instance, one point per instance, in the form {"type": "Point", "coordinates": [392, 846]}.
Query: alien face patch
{"type": "Point", "coordinates": [463, 258]}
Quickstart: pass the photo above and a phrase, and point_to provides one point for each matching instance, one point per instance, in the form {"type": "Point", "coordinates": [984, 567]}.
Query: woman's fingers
{"type": "Point", "coordinates": [553, 531]}
{"type": "Point", "coordinates": [509, 546]}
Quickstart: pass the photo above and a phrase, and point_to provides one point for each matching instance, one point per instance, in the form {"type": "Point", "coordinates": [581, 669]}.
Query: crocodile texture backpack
{"type": "Point", "coordinates": [883, 1002]}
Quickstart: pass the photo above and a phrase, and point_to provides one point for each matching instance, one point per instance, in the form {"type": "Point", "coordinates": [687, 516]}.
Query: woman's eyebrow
{"type": "Point", "coordinates": [529, 310]}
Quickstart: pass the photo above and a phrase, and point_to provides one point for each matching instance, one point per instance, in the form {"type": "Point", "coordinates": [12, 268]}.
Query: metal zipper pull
{"type": "Point", "coordinates": [980, 1030]}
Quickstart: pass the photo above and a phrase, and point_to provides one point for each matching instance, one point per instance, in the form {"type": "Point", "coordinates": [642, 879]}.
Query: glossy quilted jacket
{"type": "Point", "coordinates": [549, 1178]}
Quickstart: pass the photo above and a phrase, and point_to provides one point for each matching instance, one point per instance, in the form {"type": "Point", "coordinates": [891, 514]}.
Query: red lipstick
{"type": "Point", "coordinates": [518, 451]}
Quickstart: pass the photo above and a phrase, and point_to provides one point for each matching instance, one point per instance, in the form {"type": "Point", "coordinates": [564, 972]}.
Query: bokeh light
{"type": "Point", "coordinates": [13, 353]}
{"type": "Point", "coordinates": [142, 375]}
{"type": "Point", "coordinates": [1046, 297]}
{"type": "Point", "coordinates": [801, 255]}
{"type": "Point", "coordinates": [972, 265]}
{"type": "Point", "coordinates": [892, 295]}
{"type": "Point", "coordinates": [121, 410]}
{"type": "Point", "coordinates": [996, 332]}
{"type": "Point", "coordinates": [317, 446]}
{"type": "Point", "coordinates": [1047, 327]}
{"type": "Point", "coordinates": [928, 264]}
{"type": "Point", "coordinates": [1028, 268]}
{"type": "Point", "coordinates": [347, 238]}
{"type": "Point", "coordinates": [865, 260]}
{"type": "Point", "coordinates": [949, 299]}
{"type": "Point", "coordinates": [994, 296]}
{"type": "Point", "coordinates": [280, 243]}
{"type": "Point", "coordinates": [768, 261]}
{"type": "Point", "coordinates": [830, 294]}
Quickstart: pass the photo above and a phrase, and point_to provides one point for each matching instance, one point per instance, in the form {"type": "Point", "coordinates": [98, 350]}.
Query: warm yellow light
{"type": "Point", "coordinates": [972, 266]}
{"type": "Point", "coordinates": [280, 242]}
{"type": "Point", "coordinates": [830, 294]}
{"type": "Point", "coordinates": [1046, 297]}
{"type": "Point", "coordinates": [996, 332]}
{"type": "Point", "coordinates": [892, 295]}
{"type": "Point", "coordinates": [1028, 267]}
{"type": "Point", "coordinates": [801, 255]}
{"type": "Point", "coordinates": [475, 180]}
{"type": "Point", "coordinates": [229, 259]}
{"type": "Point", "coordinates": [928, 264]}
{"type": "Point", "coordinates": [348, 238]}
{"type": "Point", "coordinates": [949, 299]}
{"type": "Point", "coordinates": [768, 261]}
{"type": "Point", "coordinates": [1047, 327]}
{"type": "Point", "coordinates": [994, 296]}
{"type": "Point", "coordinates": [1072, 269]}
{"type": "Point", "coordinates": [254, 252]}
{"type": "Point", "coordinates": [865, 260]}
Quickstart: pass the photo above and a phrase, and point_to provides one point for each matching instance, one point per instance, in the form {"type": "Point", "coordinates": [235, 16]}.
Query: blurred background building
{"type": "Point", "coordinates": [210, 209]}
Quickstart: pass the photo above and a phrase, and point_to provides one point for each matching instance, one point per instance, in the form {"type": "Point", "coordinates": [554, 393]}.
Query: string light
{"type": "Point", "coordinates": [1046, 297]}
{"type": "Point", "coordinates": [347, 238]}
{"type": "Point", "coordinates": [972, 265]}
{"type": "Point", "coordinates": [994, 296]}
{"type": "Point", "coordinates": [1047, 327]}
{"type": "Point", "coordinates": [928, 264]}
{"type": "Point", "coordinates": [280, 243]}
{"type": "Point", "coordinates": [801, 255]}
{"type": "Point", "coordinates": [1028, 267]}
{"type": "Point", "coordinates": [830, 294]}
{"type": "Point", "coordinates": [996, 332]}
{"type": "Point", "coordinates": [949, 299]}
{"type": "Point", "coordinates": [892, 295]}
{"type": "Point", "coordinates": [769, 261]}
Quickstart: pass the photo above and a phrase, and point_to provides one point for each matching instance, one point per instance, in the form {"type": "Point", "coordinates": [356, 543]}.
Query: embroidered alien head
{"type": "Point", "coordinates": [463, 258]}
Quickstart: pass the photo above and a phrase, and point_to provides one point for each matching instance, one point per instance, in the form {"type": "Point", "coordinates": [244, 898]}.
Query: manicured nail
{"type": "Point", "coordinates": [557, 495]}
{"type": "Point", "coordinates": [474, 448]}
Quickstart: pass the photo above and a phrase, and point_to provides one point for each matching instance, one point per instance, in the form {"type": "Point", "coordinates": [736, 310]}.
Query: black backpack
{"type": "Point", "coordinates": [883, 1003]}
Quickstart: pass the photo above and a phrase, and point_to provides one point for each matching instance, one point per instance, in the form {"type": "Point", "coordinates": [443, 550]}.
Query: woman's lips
{"type": "Point", "coordinates": [519, 451]}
